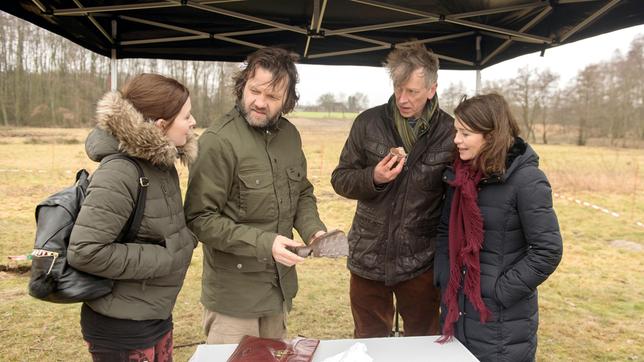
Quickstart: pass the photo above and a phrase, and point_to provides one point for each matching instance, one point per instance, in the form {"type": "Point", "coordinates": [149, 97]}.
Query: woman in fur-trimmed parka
{"type": "Point", "coordinates": [148, 120]}
{"type": "Point", "coordinates": [498, 239]}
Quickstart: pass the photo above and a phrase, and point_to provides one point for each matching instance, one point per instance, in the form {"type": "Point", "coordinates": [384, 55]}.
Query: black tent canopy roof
{"type": "Point", "coordinates": [465, 34]}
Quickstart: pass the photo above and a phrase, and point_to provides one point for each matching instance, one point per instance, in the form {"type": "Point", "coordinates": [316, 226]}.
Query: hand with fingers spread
{"type": "Point", "coordinates": [388, 169]}
{"type": "Point", "coordinates": [283, 255]}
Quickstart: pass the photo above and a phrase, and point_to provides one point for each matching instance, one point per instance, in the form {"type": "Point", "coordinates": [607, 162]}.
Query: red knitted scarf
{"type": "Point", "coordinates": [465, 241]}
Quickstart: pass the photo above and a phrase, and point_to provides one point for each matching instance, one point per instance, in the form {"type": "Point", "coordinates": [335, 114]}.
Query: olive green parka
{"type": "Point", "coordinates": [247, 186]}
{"type": "Point", "coordinates": [149, 271]}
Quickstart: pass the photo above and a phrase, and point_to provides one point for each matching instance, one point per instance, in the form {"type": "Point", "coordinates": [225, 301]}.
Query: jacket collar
{"type": "Point", "coordinates": [138, 138]}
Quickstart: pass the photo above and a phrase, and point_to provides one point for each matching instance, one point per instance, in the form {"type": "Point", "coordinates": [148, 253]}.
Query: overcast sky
{"type": "Point", "coordinates": [565, 60]}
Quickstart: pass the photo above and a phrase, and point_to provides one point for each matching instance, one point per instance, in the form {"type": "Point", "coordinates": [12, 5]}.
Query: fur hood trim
{"type": "Point", "coordinates": [139, 138]}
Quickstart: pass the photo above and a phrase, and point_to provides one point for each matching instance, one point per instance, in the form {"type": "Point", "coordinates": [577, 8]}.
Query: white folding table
{"type": "Point", "coordinates": [394, 349]}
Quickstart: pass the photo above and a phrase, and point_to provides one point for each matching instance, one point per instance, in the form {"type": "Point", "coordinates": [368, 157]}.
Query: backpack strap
{"type": "Point", "coordinates": [131, 227]}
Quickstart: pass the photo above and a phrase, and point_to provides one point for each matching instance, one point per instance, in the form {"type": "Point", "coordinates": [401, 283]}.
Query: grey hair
{"type": "Point", "coordinates": [402, 62]}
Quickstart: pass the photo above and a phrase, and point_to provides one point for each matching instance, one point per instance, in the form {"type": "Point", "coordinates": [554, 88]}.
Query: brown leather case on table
{"type": "Point", "coordinates": [257, 349]}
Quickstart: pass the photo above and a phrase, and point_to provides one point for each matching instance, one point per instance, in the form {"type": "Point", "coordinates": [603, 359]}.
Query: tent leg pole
{"type": "Point", "coordinates": [113, 60]}
{"type": "Point", "coordinates": [478, 63]}
{"type": "Point", "coordinates": [113, 71]}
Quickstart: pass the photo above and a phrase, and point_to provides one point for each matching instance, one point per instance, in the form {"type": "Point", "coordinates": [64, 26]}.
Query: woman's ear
{"type": "Point", "coordinates": [160, 124]}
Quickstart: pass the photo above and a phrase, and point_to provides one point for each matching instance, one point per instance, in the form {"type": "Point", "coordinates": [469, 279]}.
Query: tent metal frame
{"type": "Point", "coordinates": [317, 31]}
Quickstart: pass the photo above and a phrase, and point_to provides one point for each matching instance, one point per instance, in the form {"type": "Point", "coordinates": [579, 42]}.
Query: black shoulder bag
{"type": "Point", "coordinates": [52, 278]}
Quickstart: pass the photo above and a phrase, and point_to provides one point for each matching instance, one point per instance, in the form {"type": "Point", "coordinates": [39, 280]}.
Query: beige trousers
{"type": "Point", "coordinates": [221, 329]}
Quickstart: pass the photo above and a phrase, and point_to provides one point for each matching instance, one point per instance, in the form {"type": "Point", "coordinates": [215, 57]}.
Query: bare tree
{"type": "Point", "coordinates": [555, 108]}
{"type": "Point", "coordinates": [326, 101]}
{"type": "Point", "coordinates": [625, 85]}
{"type": "Point", "coordinates": [587, 94]}
{"type": "Point", "coordinates": [357, 102]}
{"type": "Point", "coordinates": [546, 95]}
{"type": "Point", "coordinates": [451, 96]}
{"type": "Point", "coordinates": [4, 68]}
{"type": "Point", "coordinates": [18, 73]}
{"type": "Point", "coordinates": [530, 90]}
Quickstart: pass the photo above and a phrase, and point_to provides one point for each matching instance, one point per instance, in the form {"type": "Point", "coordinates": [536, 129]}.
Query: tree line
{"type": "Point", "coordinates": [46, 80]}
{"type": "Point", "coordinates": [604, 100]}
{"type": "Point", "coordinates": [329, 102]}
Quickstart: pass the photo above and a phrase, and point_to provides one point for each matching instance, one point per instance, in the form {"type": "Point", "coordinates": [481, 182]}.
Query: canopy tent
{"type": "Point", "coordinates": [465, 34]}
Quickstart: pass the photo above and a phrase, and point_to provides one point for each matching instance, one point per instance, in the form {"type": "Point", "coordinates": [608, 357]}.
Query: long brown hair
{"type": "Point", "coordinates": [156, 96]}
{"type": "Point", "coordinates": [281, 64]}
{"type": "Point", "coordinates": [490, 115]}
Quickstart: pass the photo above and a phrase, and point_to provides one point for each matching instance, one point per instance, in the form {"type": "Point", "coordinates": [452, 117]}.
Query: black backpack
{"type": "Point", "coordinates": [52, 278]}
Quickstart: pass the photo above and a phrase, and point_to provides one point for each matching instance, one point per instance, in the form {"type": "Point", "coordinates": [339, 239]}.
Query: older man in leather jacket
{"type": "Point", "coordinates": [392, 238]}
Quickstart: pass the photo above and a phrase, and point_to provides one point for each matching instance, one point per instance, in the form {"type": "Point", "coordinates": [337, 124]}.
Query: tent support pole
{"type": "Point", "coordinates": [113, 60]}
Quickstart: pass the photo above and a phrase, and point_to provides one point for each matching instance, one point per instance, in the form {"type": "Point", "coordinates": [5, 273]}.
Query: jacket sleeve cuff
{"type": "Point", "coordinates": [310, 232]}
{"type": "Point", "coordinates": [375, 188]}
{"type": "Point", "coordinates": [265, 247]}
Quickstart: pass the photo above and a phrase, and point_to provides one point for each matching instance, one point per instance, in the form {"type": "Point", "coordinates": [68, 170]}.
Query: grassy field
{"type": "Point", "coordinates": [592, 308]}
{"type": "Point", "coordinates": [348, 116]}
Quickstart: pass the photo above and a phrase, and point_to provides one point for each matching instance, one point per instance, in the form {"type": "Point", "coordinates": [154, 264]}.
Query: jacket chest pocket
{"type": "Point", "coordinates": [427, 172]}
{"type": "Point", "coordinates": [257, 197]}
{"type": "Point", "coordinates": [376, 151]}
{"type": "Point", "coordinates": [295, 176]}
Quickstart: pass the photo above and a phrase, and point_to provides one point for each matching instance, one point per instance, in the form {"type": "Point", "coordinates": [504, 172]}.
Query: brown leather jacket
{"type": "Point", "coordinates": [392, 238]}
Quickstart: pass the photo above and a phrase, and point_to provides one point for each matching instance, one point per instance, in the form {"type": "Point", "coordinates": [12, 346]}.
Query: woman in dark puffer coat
{"type": "Point", "coordinates": [150, 120]}
{"type": "Point", "coordinates": [498, 238]}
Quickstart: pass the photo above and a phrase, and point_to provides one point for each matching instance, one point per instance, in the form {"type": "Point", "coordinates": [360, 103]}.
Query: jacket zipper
{"type": "Point", "coordinates": [165, 198]}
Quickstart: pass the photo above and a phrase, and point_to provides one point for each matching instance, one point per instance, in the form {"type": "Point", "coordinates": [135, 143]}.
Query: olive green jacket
{"type": "Point", "coordinates": [149, 271]}
{"type": "Point", "coordinates": [247, 186]}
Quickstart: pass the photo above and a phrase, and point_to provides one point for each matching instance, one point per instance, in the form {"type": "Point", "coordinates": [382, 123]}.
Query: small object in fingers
{"type": "Point", "coordinates": [398, 152]}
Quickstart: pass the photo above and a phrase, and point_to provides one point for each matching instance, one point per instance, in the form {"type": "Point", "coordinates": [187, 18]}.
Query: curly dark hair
{"type": "Point", "coordinates": [281, 64]}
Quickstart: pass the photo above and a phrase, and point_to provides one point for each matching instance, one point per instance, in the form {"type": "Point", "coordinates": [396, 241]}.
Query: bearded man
{"type": "Point", "coordinates": [247, 190]}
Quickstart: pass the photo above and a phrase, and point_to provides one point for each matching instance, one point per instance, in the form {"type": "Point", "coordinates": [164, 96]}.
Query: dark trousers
{"type": "Point", "coordinates": [160, 352]}
{"type": "Point", "coordinates": [373, 309]}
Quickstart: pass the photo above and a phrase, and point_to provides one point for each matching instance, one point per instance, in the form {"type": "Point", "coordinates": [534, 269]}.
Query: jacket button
{"type": "Point", "coordinates": [257, 182]}
{"type": "Point", "coordinates": [239, 266]}
{"type": "Point", "coordinates": [265, 259]}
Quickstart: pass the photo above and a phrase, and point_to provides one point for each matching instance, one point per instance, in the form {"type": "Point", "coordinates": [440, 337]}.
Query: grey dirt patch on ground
{"type": "Point", "coordinates": [626, 244]}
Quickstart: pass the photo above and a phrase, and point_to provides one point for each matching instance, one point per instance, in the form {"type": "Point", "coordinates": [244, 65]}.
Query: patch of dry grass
{"type": "Point", "coordinates": [591, 308]}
